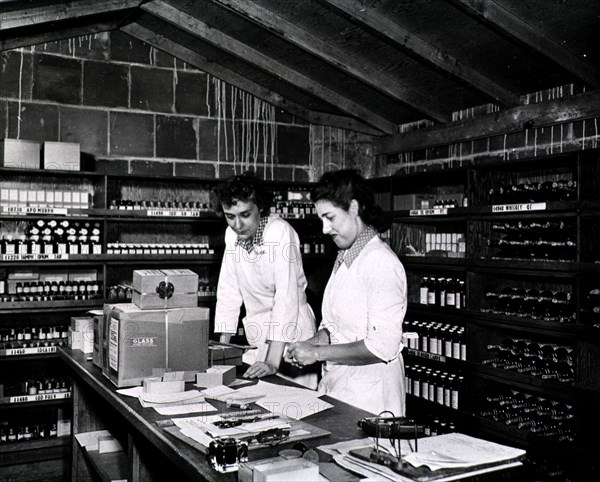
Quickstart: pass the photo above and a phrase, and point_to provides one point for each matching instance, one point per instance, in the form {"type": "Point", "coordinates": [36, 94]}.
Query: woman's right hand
{"type": "Point", "coordinates": [303, 353]}
{"type": "Point", "coordinates": [288, 354]}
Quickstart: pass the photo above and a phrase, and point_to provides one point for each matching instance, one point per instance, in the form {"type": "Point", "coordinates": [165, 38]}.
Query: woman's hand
{"type": "Point", "coordinates": [260, 369]}
{"type": "Point", "coordinates": [303, 353]}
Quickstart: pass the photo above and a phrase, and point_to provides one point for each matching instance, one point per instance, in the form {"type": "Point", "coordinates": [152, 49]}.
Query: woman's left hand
{"type": "Point", "coordinates": [260, 369]}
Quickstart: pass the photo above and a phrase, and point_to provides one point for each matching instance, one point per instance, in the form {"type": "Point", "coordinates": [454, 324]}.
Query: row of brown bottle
{"type": "Point", "coordinates": [443, 292]}
{"type": "Point", "coordinates": [437, 386]}
{"type": "Point", "coordinates": [438, 338]}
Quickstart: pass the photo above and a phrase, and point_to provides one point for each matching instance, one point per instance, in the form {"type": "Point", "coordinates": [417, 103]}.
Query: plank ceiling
{"type": "Point", "coordinates": [366, 65]}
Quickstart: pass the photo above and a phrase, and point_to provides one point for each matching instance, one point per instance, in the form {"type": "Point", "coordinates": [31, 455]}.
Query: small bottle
{"type": "Point", "coordinates": [423, 291]}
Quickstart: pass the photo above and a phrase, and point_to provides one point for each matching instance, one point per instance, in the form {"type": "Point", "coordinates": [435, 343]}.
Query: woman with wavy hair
{"type": "Point", "coordinates": [360, 336]}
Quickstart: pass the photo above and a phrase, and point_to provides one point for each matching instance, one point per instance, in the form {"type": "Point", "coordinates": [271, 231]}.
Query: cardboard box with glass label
{"type": "Point", "coordinates": [141, 343]}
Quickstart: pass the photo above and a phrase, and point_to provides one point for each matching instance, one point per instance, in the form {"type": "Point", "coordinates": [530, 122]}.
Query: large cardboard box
{"type": "Point", "coordinates": [20, 154]}
{"type": "Point", "coordinates": [140, 342]}
{"type": "Point", "coordinates": [62, 156]}
{"type": "Point", "coordinates": [166, 288]}
{"type": "Point", "coordinates": [99, 344]}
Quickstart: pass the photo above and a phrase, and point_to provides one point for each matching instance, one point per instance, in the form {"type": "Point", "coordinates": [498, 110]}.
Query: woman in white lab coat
{"type": "Point", "coordinates": [360, 336]}
{"type": "Point", "coordinates": [262, 269]}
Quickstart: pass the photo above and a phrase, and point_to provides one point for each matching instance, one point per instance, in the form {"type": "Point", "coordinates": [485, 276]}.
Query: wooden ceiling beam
{"type": "Point", "coordinates": [511, 26]}
{"type": "Point", "coordinates": [193, 58]}
{"type": "Point", "coordinates": [569, 109]}
{"type": "Point", "coordinates": [423, 50]}
{"type": "Point", "coordinates": [196, 27]}
{"type": "Point", "coordinates": [363, 70]}
{"type": "Point", "coordinates": [54, 35]}
{"type": "Point", "coordinates": [32, 15]}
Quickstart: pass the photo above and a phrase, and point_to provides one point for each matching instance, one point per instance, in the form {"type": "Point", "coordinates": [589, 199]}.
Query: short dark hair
{"type": "Point", "coordinates": [341, 187]}
{"type": "Point", "coordinates": [244, 187]}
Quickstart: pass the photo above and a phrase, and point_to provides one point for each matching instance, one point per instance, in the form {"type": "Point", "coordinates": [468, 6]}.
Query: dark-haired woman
{"type": "Point", "coordinates": [262, 269]}
{"type": "Point", "coordinates": [360, 336]}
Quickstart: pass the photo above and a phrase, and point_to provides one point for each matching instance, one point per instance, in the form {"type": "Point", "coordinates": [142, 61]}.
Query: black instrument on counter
{"type": "Point", "coordinates": [391, 427]}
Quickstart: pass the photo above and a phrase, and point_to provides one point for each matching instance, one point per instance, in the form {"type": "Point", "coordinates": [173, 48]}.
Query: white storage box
{"type": "Point", "coordinates": [20, 154]}
{"type": "Point", "coordinates": [62, 156]}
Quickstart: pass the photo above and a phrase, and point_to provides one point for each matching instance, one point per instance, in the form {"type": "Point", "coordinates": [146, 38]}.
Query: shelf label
{"type": "Point", "coordinates": [177, 213]}
{"type": "Point", "coordinates": [42, 397]}
{"type": "Point", "coordinates": [509, 208]}
{"type": "Point", "coordinates": [28, 351]}
{"type": "Point", "coordinates": [33, 210]}
{"type": "Point", "coordinates": [33, 257]}
{"type": "Point", "coordinates": [425, 354]}
{"type": "Point", "coordinates": [428, 212]}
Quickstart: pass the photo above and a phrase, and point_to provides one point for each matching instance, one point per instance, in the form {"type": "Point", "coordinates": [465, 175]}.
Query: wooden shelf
{"type": "Point", "coordinates": [50, 173]}
{"type": "Point", "coordinates": [108, 467]}
{"type": "Point", "coordinates": [428, 215]}
{"type": "Point", "coordinates": [527, 382]}
{"type": "Point", "coordinates": [34, 445]}
{"type": "Point", "coordinates": [28, 353]}
{"type": "Point", "coordinates": [432, 261]}
{"type": "Point", "coordinates": [570, 330]}
{"type": "Point", "coordinates": [446, 312]}
{"type": "Point", "coordinates": [90, 259]}
{"type": "Point", "coordinates": [525, 265]}
{"type": "Point", "coordinates": [451, 362]}
{"type": "Point", "coordinates": [551, 207]}
{"type": "Point", "coordinates": [43, 306]}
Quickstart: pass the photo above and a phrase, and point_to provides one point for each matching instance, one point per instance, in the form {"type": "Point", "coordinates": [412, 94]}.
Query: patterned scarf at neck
{"type": "Point", "coordinates": [347, 256]}
{"type": "Point", "coordinates": [257, 239]}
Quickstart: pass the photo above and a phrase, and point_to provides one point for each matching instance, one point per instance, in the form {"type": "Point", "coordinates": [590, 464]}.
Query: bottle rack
{"type": "Point", "coordinates": [61, 232]}
{"type": "Point", "coordinates": [531, 271]}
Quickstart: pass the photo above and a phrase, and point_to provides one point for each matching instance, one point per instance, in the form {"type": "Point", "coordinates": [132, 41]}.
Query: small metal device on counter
{"type": "Point", "coordinates": [392, 428]}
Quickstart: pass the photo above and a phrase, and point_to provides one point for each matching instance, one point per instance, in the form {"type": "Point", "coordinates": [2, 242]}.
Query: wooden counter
{"type": "Point", "coordinates": [151, 453]}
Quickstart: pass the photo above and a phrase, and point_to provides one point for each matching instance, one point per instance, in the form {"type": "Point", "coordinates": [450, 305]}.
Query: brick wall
{"type": "Point", "coordinates": [137, 110]}
{"type": "Point", "coordinates": [334, 148]}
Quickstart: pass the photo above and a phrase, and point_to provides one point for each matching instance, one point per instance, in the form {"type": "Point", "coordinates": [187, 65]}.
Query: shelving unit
{"type": "Point", "coordinates": [176, 214]}
{"type": "Point", "coordinates": [560, 258]}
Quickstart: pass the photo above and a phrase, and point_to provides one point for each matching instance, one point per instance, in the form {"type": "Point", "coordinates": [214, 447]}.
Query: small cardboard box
{"type": "Point", "coordinates": [19, 154]}
{"type": "Point", "coordinates": [166, 288]}
{"type": "Point", "coordinates": [215, 376]}
{"type": "Point", "coordinates": [278, 469]}
{"type": "Point", "coordinates": [62, 156]}
{"type": "Point", "coordinates": [225, 355]}
{"type": "Point", "coordinates": [81, 340]}
{"type": "Point", "coordinates": [142, 340]}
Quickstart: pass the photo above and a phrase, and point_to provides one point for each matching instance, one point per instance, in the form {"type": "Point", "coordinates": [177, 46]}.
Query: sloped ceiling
{"type": "Point", "coordinates": [365, 65]}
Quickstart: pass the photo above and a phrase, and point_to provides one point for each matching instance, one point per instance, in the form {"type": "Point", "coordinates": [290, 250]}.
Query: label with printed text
{"type": "Point", "coordinates": [41, 397]}
{"type": "Point", "coordinates": [34, 257]}
{"type": "Point", "coordinates": [428, 212]}
{"type": "Point", "coordinates": [40, 350]}
{"type": "Point", "coordinates": [32, 210]}
{"type": "Point", "coordinates": [515, 208]}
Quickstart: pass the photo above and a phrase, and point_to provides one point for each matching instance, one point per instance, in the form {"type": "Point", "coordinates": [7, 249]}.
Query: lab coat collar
{"type": "Point", "coordinates": [347, 256]}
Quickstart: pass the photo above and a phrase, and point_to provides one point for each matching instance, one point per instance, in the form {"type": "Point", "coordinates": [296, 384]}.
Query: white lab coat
{"type": "Point", "coordinates": [367, 302]}
{"type": "Point", "coordinates": [270, 282]}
